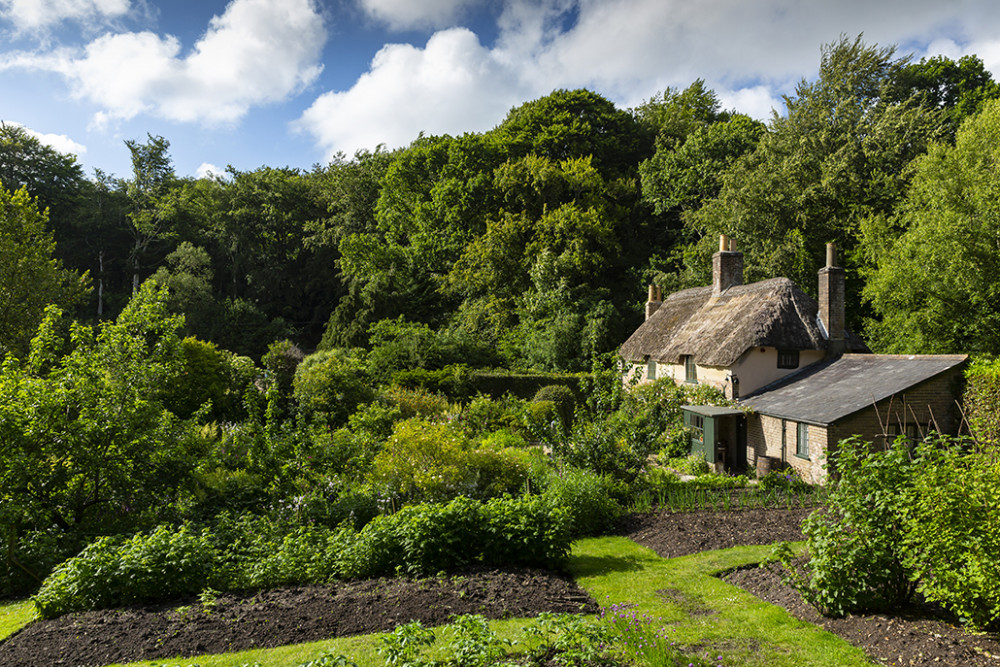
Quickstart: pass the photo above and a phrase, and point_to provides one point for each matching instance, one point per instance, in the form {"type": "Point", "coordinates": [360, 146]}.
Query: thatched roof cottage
{"type": "Point", "coordinates": [791, 359]}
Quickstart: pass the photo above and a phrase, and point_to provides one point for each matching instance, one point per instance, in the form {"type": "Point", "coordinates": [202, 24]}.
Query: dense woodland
{"type": "Point", "coordinates": [529, 246]}
{"type": "Point", "coordinates": [279, 360]}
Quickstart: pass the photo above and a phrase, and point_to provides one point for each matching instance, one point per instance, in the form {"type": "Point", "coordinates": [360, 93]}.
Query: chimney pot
{"type": "Point", "coordinates": [654, 301]}
{"type": "Point", "coordinates": [727, 267]}
{"type": "Point", "coordinates": [832, 303]}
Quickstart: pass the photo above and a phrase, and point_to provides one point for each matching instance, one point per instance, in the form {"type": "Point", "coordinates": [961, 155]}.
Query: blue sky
{"type": "Point", "coordinates": [292, 82]}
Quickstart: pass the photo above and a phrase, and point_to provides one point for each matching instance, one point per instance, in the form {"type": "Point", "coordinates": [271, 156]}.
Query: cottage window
{"type": "Point", "coordinates": [651, 370]}
{"type": "Point", "coordinates": [690, 369]}
{"type": "Point", "coordinates": [788, 358]}
{"type": "Point", "coordinates": [802, 441]}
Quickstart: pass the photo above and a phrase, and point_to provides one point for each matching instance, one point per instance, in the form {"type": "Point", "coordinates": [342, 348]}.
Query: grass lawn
{"type": "Point", "coordinates": [697, 609]}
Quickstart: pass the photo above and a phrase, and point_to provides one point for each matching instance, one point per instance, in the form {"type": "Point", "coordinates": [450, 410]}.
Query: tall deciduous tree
{"type": "Point", "coordinates": [937, 287]}
{"type": "Point", "coordinates": [840, 156]}
{"type": "Point", "coordinates": [84, 436]}
{"type": "Point", "coordinates": [30, 277]}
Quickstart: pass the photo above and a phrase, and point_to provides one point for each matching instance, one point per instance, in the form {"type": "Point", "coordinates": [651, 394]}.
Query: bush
{"type": "Point", "coordinates": [416, 402]}
{"type": "Point", "coordinates": [330, 385]}
{"type": "Point", "coordinates": [433, 537]}
{"type": "Point", "coordinates": [588, 499]}
{"type": "Point", "coordinates": [952, 531]}
{"type": "Point", "coordinates": [485, 415]}
{"type": "Point", "coordinates": [787, 480]}
{"type": "Point", "coordinates": [687, 465]}
{"type": "Point", "coordinates": [32, 556]}
{"type": "Point", "coordinates": [982, 400]}
{"type": "Point", "coordinates": [563, 399]}
{"type": "Point", "coordinates": [856, 542]}
{"type": "Point", "coordinates": [111, 572]}
{"type": "Point", "coordinates": [425, 461]}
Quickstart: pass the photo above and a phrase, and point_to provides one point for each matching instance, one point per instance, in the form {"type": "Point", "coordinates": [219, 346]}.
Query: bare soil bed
{"type": "Point", "coordinates": [287, 616]}
{"type": "Point", "coordinates": [913, 636]}
{"type": "Point", "coordinates": [916, 635]}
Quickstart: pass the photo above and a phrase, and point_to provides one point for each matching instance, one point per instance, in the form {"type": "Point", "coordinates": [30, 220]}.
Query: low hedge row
{"type": "Point", "coordinates": [419, 539]}
{"type": "Point", "coordinates": [459, 382]}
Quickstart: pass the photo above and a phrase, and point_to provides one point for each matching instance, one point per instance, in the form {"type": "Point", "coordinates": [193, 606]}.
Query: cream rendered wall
{"type": "Point", "coordinates": [755, 369]}
{"type": "Point", "coordinates": [758, 367]}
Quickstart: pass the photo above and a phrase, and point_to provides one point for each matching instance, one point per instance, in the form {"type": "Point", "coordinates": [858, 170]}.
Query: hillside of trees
{"type": "Point", "coordinates": [529, 246]}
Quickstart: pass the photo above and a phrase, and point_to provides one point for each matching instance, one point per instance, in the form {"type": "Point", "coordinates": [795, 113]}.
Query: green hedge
{"type": "Point", "coordinates": [459, 382]}
{"type": "Point", "coordinates": [253, 553]}
{"type": "Point", "coordinates": [982, 399]}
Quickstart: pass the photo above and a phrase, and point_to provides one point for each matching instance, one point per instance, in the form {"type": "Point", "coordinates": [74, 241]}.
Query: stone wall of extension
{"type": "Point", "coordinates": [928, 406]}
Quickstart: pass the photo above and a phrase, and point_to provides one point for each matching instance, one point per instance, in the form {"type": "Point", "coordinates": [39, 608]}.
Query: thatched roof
{"type": "Point", "coordinates": [717, 331]}
{"type": "Point", "coordinates": [824, 393]}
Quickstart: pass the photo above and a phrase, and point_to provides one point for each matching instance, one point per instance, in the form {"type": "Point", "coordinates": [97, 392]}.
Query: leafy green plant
{"type": "Point", "coordinates": [952, 530]}
{"type": "Point", "coordinates": [402, 645]}
{"type": "Point", "coordinates": [589, 499]}
{"type": "Point", "coordinates": [328, 386]}
{"type": "Point", "coordinates": [787, 480]}
{"type": "Point", "coordinates": [687, 465]}
{"type": "Point", "coordinates": [856, 541]}
{"type": "Point", "coordinates": [112, 572]}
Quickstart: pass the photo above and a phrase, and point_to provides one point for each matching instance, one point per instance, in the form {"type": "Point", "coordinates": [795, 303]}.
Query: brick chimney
{"type": "Point", "coordinates": [831, 303]}
{"type": "Point", "coordinates": [727, 267]}
{"type": "Point", "coordinates": [655, 299]}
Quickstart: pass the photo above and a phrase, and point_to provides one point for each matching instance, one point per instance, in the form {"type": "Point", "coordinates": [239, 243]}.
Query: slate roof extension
{"type": "Point", "coordinates": [826, 392]}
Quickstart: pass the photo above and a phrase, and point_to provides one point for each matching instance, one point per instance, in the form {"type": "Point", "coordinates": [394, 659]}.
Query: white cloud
{"type": "Point", "coordinates": [35, 15]}
{"type": "Point", "coordinates": [258, 51]}
{"type": "Point", "coordinates": [410, 14]}
{"type": "Point", "coordinates": [453, 85]}
{"type": "Point", "coordinates": [59, 142]}
{"type": "Point", "coordinates": [208, 170]}
{"type": "Point", "coordinates": [628, 50]}
{"type": "Point", "coordinates": [757, 102]}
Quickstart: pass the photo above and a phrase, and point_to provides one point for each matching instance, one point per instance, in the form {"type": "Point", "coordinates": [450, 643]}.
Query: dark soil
{"type": "Point", "coordinates": [919, 634]}
{"type": "Point", "coordinates": [672, 534]}
{"type": "Point", "coordinates": [287, 616]}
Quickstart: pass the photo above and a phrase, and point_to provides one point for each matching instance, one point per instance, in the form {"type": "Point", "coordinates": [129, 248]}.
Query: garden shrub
{"type": "Point", "coordinates": [856, 542]}
{"type": "Point", "coordinates": [424, 461]}
{"type": "Point", "coordinates": [563, 399]}
{"type": "Point", "coordinates": [280, 361]}
{"type": "Point", "coordinates": [330, 385]}
{"type": "Point", "coordinates": [483, 415]}
{"type": "Point", "coordinates": [31, 555]}
{"type": "Point", "coordinates": [452, 381]}
{"type": "Point", "coordinates": [416, 402]}
{"type": "Point", "coordinates": [530, 530]}
{"type": "Point", "coordinates": [787, 480]}
{"type": "Point", "coordinates": [113, 571]}
{"type": "Point", "coordinates": [982, 400]}
{"type": "Point", "coordinates": [589, 499]}
{"type": "Point", "coordinates": [498, 471]}
{"type": "Point", "coordinates": [427, 461]}
{"type": "Point", "coordinates": [687, 465]}
{"type": "Point", "coordinates": [203, 379]}
{"type": "Point", "coordinates": [434, 537]}
{"type": "Point", "coordinates": [952, 531]}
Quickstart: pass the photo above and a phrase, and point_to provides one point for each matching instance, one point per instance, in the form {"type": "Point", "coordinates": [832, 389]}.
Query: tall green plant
{"type": "Point", "coordinates": [952, 531]}
{"type": "Point", "coordinates": [84, 434]}
{"type": "Point", "coordinates": [856, 542]}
